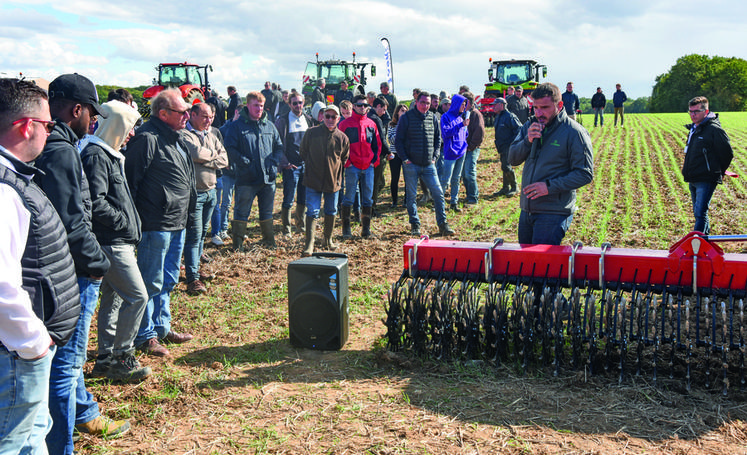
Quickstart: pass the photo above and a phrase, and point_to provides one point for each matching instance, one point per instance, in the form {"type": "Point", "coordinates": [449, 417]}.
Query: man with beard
{"type": "Point", "coordinates": [558, 159]}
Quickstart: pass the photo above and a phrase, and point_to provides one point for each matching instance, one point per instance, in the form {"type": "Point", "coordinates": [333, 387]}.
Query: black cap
{"type": "Point", "coordinates": [75, 87]}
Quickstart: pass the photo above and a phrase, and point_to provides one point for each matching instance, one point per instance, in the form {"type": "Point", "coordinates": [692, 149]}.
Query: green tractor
{"type": "Point", "coordinates": [190, 79]}
{"type": "Point", "coordinates": [509, 73]}
{"type": "Point", "coordinates": [334, 72]}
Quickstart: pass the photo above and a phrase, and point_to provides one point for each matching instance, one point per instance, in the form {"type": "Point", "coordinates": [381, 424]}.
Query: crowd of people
{"type": "Point", "coordinates": [102, 208]}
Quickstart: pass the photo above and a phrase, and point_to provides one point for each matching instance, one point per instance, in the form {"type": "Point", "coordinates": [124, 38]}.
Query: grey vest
{"type": "Point", "coordinates": [47, 267]}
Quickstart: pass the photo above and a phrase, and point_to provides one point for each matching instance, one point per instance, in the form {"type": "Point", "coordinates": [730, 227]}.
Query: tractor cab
{"type": "Point", "coordinates": [334, 72]}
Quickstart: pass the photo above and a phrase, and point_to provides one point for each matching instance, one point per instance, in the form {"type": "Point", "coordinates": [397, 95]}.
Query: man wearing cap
{"type": "Point", "coordinates": [365, 148]}
{"type": "Point", "coordinates": [38, 274]}
{"type": "Point", "coordinates": [324, 150]}
{"type": "Point", "coordinates": [518, 104]}
{"type": "Point", "coordinates": [390, 98]}
{"type": "Point", "coordinates": [161, 177]}
{"type": "Point", "coordinates": [506, 127]}
{"type": "Point", "coordinates": [598, 101]}
{"type": "Point", "coordinates": [74, 105]}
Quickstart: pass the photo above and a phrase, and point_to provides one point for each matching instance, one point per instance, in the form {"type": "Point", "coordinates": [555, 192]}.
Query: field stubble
{"type": "Point", "coordinates": [240, 387]}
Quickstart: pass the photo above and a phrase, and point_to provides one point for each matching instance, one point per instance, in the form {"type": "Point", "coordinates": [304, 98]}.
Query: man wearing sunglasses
{"type": "Point", "coordinates": [33, 235]}
{"type": "Point", "coordinates": [365, 147]}
{"type": "Point", "coordinates": [708, 154]}
{"type": "Point", "coordinates": [292, 126]}
{"type": "Point", "coordinates": [74, 105]}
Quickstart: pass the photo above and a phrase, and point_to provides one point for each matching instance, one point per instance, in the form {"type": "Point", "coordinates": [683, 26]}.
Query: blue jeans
{"type": "Point", "coordinates": [452, 172]}
{"type": "Point", "coordinates": [366, 177]}
{"type": "Point", "coordinates": [24, 405]}
{"type": "Point", "coordinates": [197, 225]}
{"type": "Point", "coordinates": [265, 194]}
{"type": "Point", "coordinates": [70, 403]}
{"type": "Point", "coordinates": [469, 173]}
{"type": "Point", "coordinates": [701, 193]}
{"type": "Point", "coordinates": [428, 174]}
{"type": "Point", "coordinates": [314, 203]}
{"type": "Point", "coordinates": [293, 185]}
{"type": "Point", "coordinates": [158, 257]}
{"type": "Point", "coordinates": [543, 228]}
{"type": "Point", "coordinates": [599, 114]}
{"type": "Point", "coordinates": [226, 195]}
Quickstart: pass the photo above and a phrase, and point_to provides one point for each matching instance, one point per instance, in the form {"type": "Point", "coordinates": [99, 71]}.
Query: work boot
{"type": "Point", "coordinates": [415, 230]}
{"type": "Point", "coordinates": [506, 185]}
{"type": "Point", "coordinates": [366, 223]}
{"type": "Point", "coordinates": [285, 219]}
{"type": "Point", "coordinates": [329, 227]}
{"type": "Point", "coordinates": [238, 231]}
{"type": "Point", "coordinates": [126, 368]}
{"type": "Point", "coordinates": [104, 426]}
{"type": "Point", "coordinates": [268, 235]}
{"type": "Point", "coordinates": [455, 208]}
{"type": "Point", "coordinates": [356, 216]}
{"type": "Point", "coordinates": [444, 229]}
{"type": "Point", "coordinates": [300, 218]}
{"type": "Point", "coordinates": [310, 230]}
{"type": "Point", "coordinates": [512, 185]}
{"type": "Point", "coordinates": [102, 365]}
{"type": "Point", "coordinates": [346, 234]}
{"type": "Point", "coordinates": [154, 348]}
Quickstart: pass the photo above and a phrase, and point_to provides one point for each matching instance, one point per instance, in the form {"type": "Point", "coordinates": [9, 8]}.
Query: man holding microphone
{"type": "Point", "coordinates": [558, 159]}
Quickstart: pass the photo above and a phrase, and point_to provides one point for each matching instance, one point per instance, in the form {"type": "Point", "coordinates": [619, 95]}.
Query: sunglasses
{"type": "Point", "coordinates": [184, 112]}
{"type": "Point", "coordinates": [330, 116]}
{"type": "Point", "coordinates": [48, 124]}
{"type": "Point", "coordinates": [360, 105]}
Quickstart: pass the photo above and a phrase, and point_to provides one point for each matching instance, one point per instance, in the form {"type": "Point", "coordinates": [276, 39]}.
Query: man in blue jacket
{"type": "Point", "coordinates": [506, 127]}
{"type": "Point", "coordinates": [570, 101]}
{"type": "Point", "coordinates": [254, 148]}
{"type": "Point", "coordinates": [557, 156]}
{"type": "Point", "coordinates": [618, 100]}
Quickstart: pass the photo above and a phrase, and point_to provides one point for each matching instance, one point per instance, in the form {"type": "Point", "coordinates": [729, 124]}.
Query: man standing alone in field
{"type": "Point", "coordinates": [708, 154]}
{"type": "Point", "coordinates": [618, 100]}
{"type": "Point", "coordinates": [558, 159]}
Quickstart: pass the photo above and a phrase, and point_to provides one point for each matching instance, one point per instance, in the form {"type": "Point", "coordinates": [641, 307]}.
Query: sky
{"type": "Point", "coordinates": [436, 45]}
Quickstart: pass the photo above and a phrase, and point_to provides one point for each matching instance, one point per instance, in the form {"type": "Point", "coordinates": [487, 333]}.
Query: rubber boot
{"type": "Point", "coordinates": [300, 218]}
{"type": "Point", "coordinates": [268, 235]}
{"type": "Point", "coordinates": [286, 220]}
{"type": "Point", "coordinates": [366, 222]}
{"type": "Point", "coordinates": [238, 231]}
{"type": "Point", "coordinates": [512, 185]}
{"type": "Point", "coordinates": [346, 234]}
{"type": "Point", "coordinates": [329, 227]}
{"type": "Point", "coordinates": [310, 230]}
{"type": "Point", "coordinates": [506, 185]}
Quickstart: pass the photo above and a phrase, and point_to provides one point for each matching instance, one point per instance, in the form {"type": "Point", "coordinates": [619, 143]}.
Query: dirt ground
{"type": "Point", "coordinates": [240, 387]}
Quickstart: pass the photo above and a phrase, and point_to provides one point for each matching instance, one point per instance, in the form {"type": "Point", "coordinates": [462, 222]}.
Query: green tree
{"type": "Point", "coordinates": [722, 80]}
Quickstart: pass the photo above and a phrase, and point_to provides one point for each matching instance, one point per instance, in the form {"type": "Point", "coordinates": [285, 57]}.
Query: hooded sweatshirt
{"type": "Point", "coordinates": [453, 130]}
{"type": "Point", "coordinates": [114, 216]}
{"type": "Point", "coordinates": [315, 108]}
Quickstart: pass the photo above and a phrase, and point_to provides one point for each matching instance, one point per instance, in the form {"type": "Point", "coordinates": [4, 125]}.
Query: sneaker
{"type": "Point", "coordinates": [104, 426]}
{"type": "Point", "coordinates": [126, 368]}
{"type": "Point", "coordinates": [511, 193]}
{"type": "Point", "coordinates": [154, 348]}
{"type": "Point", "coordinates": [103, 363]}
{"type": "Point", "coordinates": [216, 240]}
{"type": "Point", "coordinates": [470, 202]}
{"type": "Point", "coordinates": [178, 338]}
{"type": "Point", "coordinates": [196, 287]}
{"type": "Point", "coordinates": [224, 235]}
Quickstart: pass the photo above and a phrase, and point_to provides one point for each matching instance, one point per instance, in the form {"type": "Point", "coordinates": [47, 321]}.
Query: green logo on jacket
{"type": "Point", "coordinates": [555, 143]}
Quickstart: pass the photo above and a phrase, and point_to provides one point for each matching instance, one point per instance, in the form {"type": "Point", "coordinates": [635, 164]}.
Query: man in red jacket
{"type": "Point", "coordinates": [365, 145]}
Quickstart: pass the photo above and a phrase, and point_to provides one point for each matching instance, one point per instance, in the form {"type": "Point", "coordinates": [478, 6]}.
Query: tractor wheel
{"type": "Point", "coordinates": [194, 97]}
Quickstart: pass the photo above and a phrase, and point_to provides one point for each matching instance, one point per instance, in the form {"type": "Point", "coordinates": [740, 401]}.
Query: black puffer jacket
{"type": "Point", "coordinates": [418, 137]}
{"type": "Point", "coordinates": [66, 186]}
{"type": "Point", "coordinates": [708, 153]}
{"type": "Point", "coordinates": [160, 177]}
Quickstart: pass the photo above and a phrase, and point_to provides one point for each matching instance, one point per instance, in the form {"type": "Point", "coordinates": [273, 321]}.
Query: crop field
{"type": "Point", "coordinates": [240, 387]}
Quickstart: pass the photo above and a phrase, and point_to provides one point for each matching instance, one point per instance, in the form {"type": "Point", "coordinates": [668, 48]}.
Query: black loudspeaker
{"type": "Point", "coordinates": [318, 301]}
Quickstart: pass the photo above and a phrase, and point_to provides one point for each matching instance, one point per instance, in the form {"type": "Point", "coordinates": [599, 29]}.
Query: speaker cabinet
{"type": "Point", "coordinates": [318, 301]}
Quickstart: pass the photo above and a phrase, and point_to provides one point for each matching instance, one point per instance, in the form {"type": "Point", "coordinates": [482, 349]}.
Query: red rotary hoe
{"type": "Point", "coordinates": [606, 310]}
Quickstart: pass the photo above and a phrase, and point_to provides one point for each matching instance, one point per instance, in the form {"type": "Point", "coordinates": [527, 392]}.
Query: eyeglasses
{"type": "Point", "coordinates": [298, 103]}
{"type": "Point", "coordinates": [330, 116]}
{"type": "Point", "coordinates": [48, 124]}
{"type": "Point", "coordinates": [184, 112]}
{"type": "Point", "coordinates": [360, 105]}
{"type": "Point", "coordinates": [695, 111]}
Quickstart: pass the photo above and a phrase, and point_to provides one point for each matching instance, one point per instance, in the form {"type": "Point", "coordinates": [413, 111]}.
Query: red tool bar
{"type": "Point", "coordinates": [713, 268]}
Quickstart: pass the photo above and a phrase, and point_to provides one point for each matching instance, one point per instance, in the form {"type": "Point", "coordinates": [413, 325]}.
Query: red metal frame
{"type": "Point", "coordinates": [714, 269]}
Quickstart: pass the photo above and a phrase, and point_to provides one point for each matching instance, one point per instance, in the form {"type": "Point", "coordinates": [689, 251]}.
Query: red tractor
{"type": "Point", "coordinates": [190, 79]}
